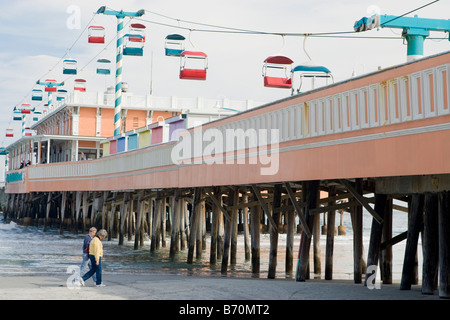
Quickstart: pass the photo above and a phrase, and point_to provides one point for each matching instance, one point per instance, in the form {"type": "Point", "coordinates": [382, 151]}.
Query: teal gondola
{"type": "Point", "coordinates": [103, 66]}
{"type": "Point", "coordinates": [174, 45]}
{"type": "Point", "coordinates": [70, 66]}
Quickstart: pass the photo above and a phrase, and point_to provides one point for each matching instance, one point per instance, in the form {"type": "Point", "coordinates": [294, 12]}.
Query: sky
{"type": "Point", "coordinates": [37, 34]}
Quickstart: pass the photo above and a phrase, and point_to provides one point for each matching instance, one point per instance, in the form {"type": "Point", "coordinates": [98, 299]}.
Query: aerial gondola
{"type": "Point", "coordinates": [61, 94]}
{"type": "Point", "coordinates": [174, 45]}
{"type": "Point", "coordinates": [193, 65]}
{"type": "Point", "coordinates": [70, 66]}
{"type": "Point", "coordinates": [36, 95]}
{"type": "Point", "coordinates": [80, 85]}
{"type": "Point", "coordinates": [133, 45]}
{"type": "Point", "coordinates": [96, 34]}
{"type": "Point", "coordinates": [137, 29]}
{"type": "Point", "coordinates": [26, 108]}
{"type": "Point", "coordinates": [103, 66]}
{"type": "Point", "coordinates": [9, 132]}
{"type": "Point", "coordinates": [277, 72]}
{"type": "Point", "coordinates": [50, 85]}
{"type": "Point", "coordinates": [311, 71]}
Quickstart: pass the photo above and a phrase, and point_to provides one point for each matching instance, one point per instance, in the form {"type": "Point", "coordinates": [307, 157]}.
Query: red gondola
{"type": "Point", "coordinates": [192, 59]}
{"type": "Point", "coordinates": [96, 34]}
{"type": "Point", "coordinates": [275, 64]}
{"type": "Point", "coordinates": [80, 85]}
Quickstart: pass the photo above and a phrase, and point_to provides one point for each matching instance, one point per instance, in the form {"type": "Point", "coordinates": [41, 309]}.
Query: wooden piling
{"type": "Point", "coordinates": [386, 253]}
{"type": "Point", "coordinates": [194, 219]}
{"type": "Point", "coordinates": [376, 233]}
{"type": "Point", "coordinates": [47, 212]}
{"type": "Point", "coordinates": [104, 209]}
{"type": "Point", "coordinates": [131, 218]}
{"type": "Point", "coordinates": [444, 244]}
{"type": "Point", "coordinates": [163, 219]}
{"type": "Point", "coordinates": [414, 227]}
{"type": "Point", "coordinates": [139, 219]}
{"type": "Point", "coordinates": [228, 231]}
{"type": "Point", "coordinates": [247, 250]}
{"type": "Point", "coordinates": [215, 226]}
{"type": "Point", "coordinates": [85, 210]}
{"type": "Point", "coordinates": [357, 226]}
{"type": "Point", "coordinates": [175, 234]}
{"type": "Point", "coordinates": [77, 209]}
{"type": "Point", "coordinates": [123, 217]}
{"type": "Point", "coordinates": [200, 226]}
{"type": "Point", "coordinates": [234, 227]}
{"type": "Point", "coordinates": [112, 217]}
{"type": "Point", "coordinates": [430, 244]}
{"type": "Point", "coordinates": [290, 231]}
{"type": "Point", "coordinates": [62, 212]}
{"type": "Point", "coordinates": [273, 231]}
{"type": "Point", "coordinates": [330, 237]}
{"type": "Point", "coordinates": [311, 189]}
{"type": "Point", "coordinates": [255, 219]}
{"type": "Point", "coordinates": [156, 226]}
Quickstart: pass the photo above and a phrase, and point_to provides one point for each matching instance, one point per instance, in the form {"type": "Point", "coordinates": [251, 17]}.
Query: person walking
{"type": "Point", "coordinates": [95, 256]}
{"type": "Point", "coordinates": [86, 261]}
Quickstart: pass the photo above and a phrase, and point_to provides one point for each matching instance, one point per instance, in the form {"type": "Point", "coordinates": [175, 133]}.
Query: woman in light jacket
{"type": "Point", "coordinates": [95, 255]}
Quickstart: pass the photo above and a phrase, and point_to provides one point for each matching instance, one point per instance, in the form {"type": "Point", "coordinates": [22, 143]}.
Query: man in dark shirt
{"type": "Point", "coordinates": [86, 242]}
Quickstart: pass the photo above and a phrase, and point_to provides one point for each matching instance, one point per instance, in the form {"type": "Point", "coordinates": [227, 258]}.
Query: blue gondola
{"type": "Point", "coordinates": [36, 95]}
{"type": "Point", "coordinates": [174, 45]}
{"type": "Point", "coordinates": [36, 115]}
{"type": "Point", "coordinates": [103, 66]}
{"type": "Point", "coordinates": [61, 94]}
{"type": "Point", "coordinates": [70, 66]}
{"type": "Point", "coordinates": [311, 71]}
{"type": "Point", "coordinates": [133, 45]}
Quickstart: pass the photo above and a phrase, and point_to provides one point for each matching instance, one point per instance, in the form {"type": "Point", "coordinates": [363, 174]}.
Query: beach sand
{"type": "Point", "coordinates": [181, 287]}
{"type": "Point", "coordinates": [176, 286]}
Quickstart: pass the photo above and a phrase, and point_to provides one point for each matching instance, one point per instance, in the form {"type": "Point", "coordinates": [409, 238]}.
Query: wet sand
{"type": "Point", "coordinates": [182, 287]}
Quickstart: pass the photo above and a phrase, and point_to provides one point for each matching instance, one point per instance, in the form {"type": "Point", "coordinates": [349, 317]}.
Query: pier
{"type": "Point", "coordinates": [353, 145]}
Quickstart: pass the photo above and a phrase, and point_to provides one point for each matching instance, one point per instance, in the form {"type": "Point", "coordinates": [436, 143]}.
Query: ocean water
{"type": "Point", "coordinates": [30, 250]}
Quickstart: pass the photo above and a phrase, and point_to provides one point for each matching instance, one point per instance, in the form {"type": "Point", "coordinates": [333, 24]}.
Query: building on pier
{"type": "Point", "coordinates": [78, 124]}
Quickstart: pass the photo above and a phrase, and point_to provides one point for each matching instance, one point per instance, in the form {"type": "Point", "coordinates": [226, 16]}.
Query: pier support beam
{"type": "Point", "coordinates": [311, 189]}
{"type": "Point", "coordinates": [357, 226]}
{"type": "Point", "coordinates": [276, 204]}
{"type": "Point", "coordinates": [245, 211]}
{"type": "Point", "coordinates": [139, 220]}
{"type": "Point", "coordinates": [194, 220]}
{"type": "Point", "coordinates": [123, 216]}
{"type": "Point", "coordinates": [414, 227]}
{"type": "Point", "coordinates": [176, 225]}
{"type": "Point", "coordinates": [430, 244]}
{"type": "Point", "coordinates": [330, 237]}
{"type": "Point", "coordinates": [62, 211]}
{"type": "Point", "coordinates": [444, 244]}
{"type": "Point", "coordinates": [47, 212]}
{"type": "Point", "coordinates": [386, 253]}
{"type": "Point", "coordinates": [376, 233]}
{"type": "Point", "coordinates": [255, 219]}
